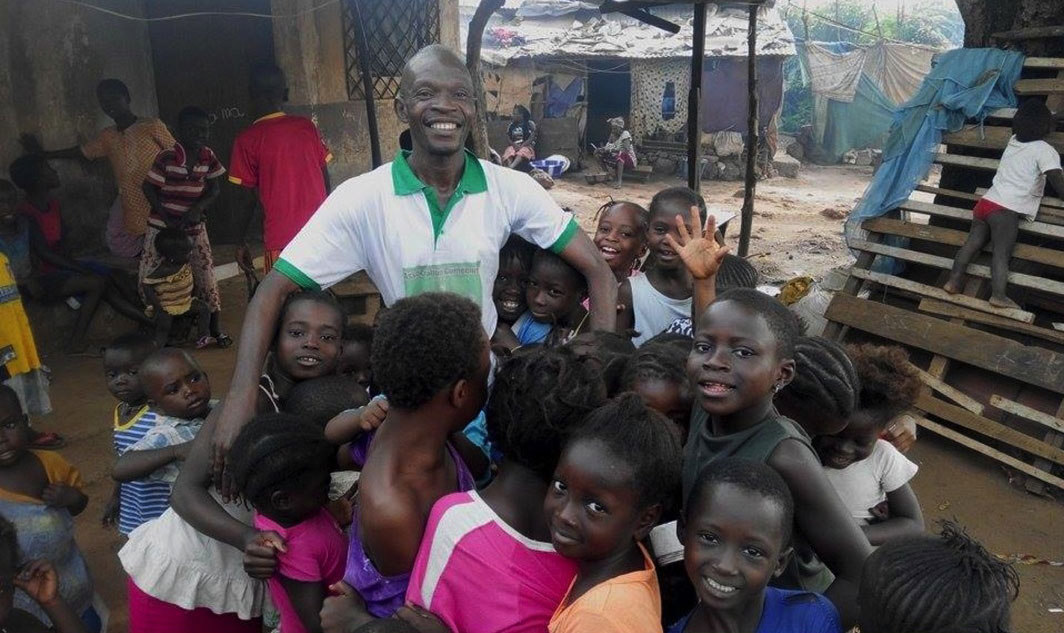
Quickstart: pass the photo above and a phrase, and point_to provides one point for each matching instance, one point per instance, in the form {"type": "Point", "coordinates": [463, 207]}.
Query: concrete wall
{"type": "Point", "coordinates": [310, 50]}
{"type": "Point", "coordinates": [51, 57]}
{"type": "Point", "coordinates": [213, 75]}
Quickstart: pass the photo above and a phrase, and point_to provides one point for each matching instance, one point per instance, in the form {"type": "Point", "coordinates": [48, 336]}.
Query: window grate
{"type": "Point", "coordinates": [395, 30]}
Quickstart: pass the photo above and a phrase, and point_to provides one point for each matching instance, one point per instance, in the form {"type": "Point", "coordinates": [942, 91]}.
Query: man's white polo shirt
{"type": "Point", "coordinates": [389, 223]}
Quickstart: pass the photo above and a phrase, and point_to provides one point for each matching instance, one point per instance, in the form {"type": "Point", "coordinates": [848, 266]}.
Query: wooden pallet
{"type": "Point", "coordinates": [1020, 421]}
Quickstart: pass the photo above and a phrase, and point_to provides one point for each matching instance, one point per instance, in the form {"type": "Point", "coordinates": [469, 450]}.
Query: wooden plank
{"type": "Point", "coordinates": [989, 428]}
{"type": "Point", "coordinates": [1003, 113]}
{"type": "Point", "coordinates": [1031, 33]}
{"type": "Point", "coordinates": [854, 285]}
{"type": "Point", "coordinates": [992, 453]}
{"type": "Point", "coordinates": [1053, 439]}
{"type": "Point", "coordinates": [1033, 365]}
{"type": "Point", "coordinates": [945, 263]}
{"type": "Point", "coordinates": [951, 392]}
{"type": "Point", "coordinates": [989, 164]}
{"type": "Point", "coordinates": [939, 191]}
{"type": "Point", "coordinates": [951, 237]}
{"type": "Point", "coordinates": [937, 293]}
{"type": "Point", "coordinates": [941, 308]}
{"type": "Point", "coordinates": [1027, 413]}
{"type": "Point", "coordinates": [1026, 87]}
{"type": "Point", "coordinates": [941, 210]}
{"type": "Point", "coordinates": [1049, 212]}
{"type": "Point", "coordinates": [1056, 63]}
{"type": "Point", "coordinates": [994, 137]}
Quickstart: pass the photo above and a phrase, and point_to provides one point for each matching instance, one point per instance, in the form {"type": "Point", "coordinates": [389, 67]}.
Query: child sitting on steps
{"type": "Point", "coordinates": [1017, 191]}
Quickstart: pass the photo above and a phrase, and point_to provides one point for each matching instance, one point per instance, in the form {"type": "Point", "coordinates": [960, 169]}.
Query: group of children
{"type": "Point", "coordinates": [176, 268]}
{"type": "Point", "coordinates": [509, 483]}
{"type": "Point", "coordinates": [525, 506]}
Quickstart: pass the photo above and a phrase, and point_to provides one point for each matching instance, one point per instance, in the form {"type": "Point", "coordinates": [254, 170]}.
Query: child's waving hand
{"type": "Point", "coordinates": [702, 255]}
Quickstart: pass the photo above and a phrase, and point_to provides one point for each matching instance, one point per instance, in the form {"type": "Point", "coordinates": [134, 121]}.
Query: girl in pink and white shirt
{"type": "Point", "coordinates": [498, 538]}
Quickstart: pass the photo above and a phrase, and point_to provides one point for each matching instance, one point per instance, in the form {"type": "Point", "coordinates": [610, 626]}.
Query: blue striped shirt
{"type": "Point", "coordinates": [143, 499]}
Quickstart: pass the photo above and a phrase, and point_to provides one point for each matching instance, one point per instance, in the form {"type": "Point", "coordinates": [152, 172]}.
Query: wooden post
{"type": "Point", "coordinates": [367, 89]}
{"type": "Point", "coordinates": [751, 135]}
{"type": "Point", "coordinates": [694, 101]}
{"type": "Point", "coordinates": [474, 41]}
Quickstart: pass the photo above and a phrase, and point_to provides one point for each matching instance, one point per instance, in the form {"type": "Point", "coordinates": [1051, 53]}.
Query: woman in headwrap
{"type": "Point", "coordinates": [619, 152]}
{"type": "Point", "coordinates": [522, 134]}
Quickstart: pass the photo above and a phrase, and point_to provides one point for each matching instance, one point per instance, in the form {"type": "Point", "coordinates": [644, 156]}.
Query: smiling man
{"type": "Point", "coordinates": [434, 219]}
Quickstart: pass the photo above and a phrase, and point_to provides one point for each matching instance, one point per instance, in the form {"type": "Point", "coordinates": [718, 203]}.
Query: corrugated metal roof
{"type": "Point", "coordinates": [619, 36]}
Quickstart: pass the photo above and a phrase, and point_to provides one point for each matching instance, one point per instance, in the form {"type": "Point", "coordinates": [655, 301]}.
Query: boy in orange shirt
{"type": "Point", "coordinates": [609, 489]}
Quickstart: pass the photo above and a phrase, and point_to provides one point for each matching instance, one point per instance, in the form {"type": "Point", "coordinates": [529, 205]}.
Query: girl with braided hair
{"type": "Point", "coordinates": [825, 389]}
{"type": "Point", "coordinates": [280, 463]}
{"type": "Point", "coordinates": [936, 584]}
{"type": "Point", "coordinates": [621, 236]}
{"type": "Point", "coordinates": [658, 374]}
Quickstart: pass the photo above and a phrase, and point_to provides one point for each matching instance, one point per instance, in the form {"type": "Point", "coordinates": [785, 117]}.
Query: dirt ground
{"type": "Point", "coordinates": [791, 238]}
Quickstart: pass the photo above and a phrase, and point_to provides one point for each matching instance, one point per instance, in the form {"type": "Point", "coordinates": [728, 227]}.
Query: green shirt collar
{"type": "Point", "coordinates": [406, 183]}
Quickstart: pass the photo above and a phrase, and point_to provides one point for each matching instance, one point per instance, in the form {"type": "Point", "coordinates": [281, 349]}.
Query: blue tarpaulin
{"type": "Point", "coordinates": [859, 123]}
{"type": "Point", "coordinates": [967, 83]}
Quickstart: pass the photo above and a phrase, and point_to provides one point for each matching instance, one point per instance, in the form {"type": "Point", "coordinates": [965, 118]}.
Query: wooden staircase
{"type": "Point", "coordinates": [994, 378]}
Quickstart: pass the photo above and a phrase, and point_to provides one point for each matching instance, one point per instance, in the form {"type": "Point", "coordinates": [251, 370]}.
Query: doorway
{"type": "Point", "coordinates": [609, 94]}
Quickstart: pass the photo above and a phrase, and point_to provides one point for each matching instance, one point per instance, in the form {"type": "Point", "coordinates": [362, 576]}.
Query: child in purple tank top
{"type": "Point", "coordinates": [430, 358]}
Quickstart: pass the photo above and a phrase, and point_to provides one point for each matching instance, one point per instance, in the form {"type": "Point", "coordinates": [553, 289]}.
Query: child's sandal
{"type": "Point", "coordinates": [205, 341]}
{"type": "Point", "coordinates": [224, 341]}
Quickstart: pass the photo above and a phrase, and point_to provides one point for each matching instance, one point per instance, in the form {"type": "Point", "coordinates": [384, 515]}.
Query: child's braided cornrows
{"type": "Point", "coordinates": [537, 399]}
{"type": "Point", "coordinates": [736, 272]}
{"type": "Point", "coordinates": [643, 439]}
{"type": "Point", "coordinates": [660, 361]}
{"type": "Point", "coordinates": [940, 584]}
{"type": "Point", "coordinates": [275, 451]}
{"type": "Point", "coordinates": [642, 215]}
{"type": "Point", "coordinates": [824, 377]}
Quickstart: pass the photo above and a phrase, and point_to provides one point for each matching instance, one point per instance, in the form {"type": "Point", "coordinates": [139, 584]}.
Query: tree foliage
{"type": "Point", "coordinates": [927, 23]}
